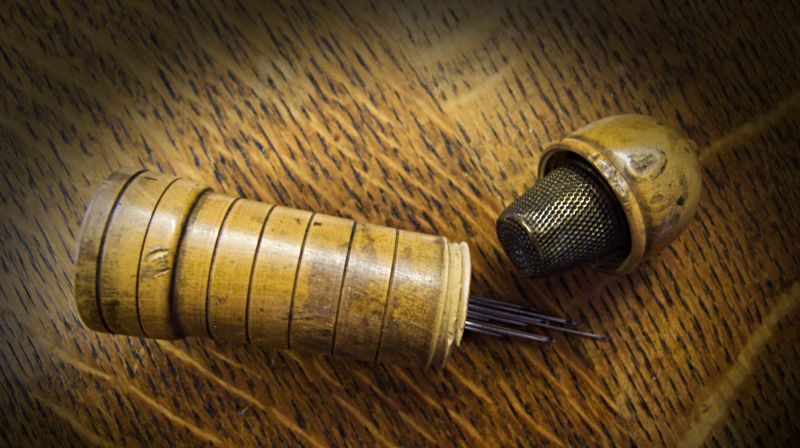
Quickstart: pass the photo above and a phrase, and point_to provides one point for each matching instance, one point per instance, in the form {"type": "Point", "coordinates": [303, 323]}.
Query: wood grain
{"type": "Point", "coordinates": [409, 330]}
{"type": "Point", "coordinates": [164, 232]}
{"type": "Point", "coordinates": [428, 117]}
{"type": "Point", "coordinates": [365, 291]}
{"type": "Point", "coordinates": [323, 262]}
{"type": "Point", "coordinates": [229, 282]}
{"type": "Point", "coordinates": [121, 252]}
{"type": "Point", "coordinates": [275, 269]}
{"type": "Point", "coordinates": [195, 260]}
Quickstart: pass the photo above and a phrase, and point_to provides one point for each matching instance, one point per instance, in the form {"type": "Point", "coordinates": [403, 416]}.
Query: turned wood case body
{"type": "Point", "coordinates": [167, 258]}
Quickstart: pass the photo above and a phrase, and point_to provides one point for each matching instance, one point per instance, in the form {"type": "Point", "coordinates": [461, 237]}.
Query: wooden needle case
{"type": "Point", "coordinates": [163, 257]}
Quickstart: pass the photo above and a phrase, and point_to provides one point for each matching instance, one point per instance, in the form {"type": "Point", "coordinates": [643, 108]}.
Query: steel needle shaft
{"type": "Point", "coordinates": [484, 315]}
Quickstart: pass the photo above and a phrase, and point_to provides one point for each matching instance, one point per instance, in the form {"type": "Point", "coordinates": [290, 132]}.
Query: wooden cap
{"type": "Point", "coordinates": [651, 168]}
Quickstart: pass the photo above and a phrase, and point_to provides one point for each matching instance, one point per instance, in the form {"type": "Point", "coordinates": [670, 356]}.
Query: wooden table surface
{"type": "Point", "coordinates": [428, 117]}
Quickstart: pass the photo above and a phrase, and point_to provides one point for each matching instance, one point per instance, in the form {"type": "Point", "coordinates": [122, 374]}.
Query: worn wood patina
{"type": "Point", "coordinates": [427, 117]}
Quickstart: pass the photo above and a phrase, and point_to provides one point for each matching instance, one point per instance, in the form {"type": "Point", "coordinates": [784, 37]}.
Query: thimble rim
{"type": "Point", "coordinates": [559, 152]}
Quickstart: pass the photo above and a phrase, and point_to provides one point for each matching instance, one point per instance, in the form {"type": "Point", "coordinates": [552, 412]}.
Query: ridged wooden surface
{"type": "Point", "coordinates": [426, 117]}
